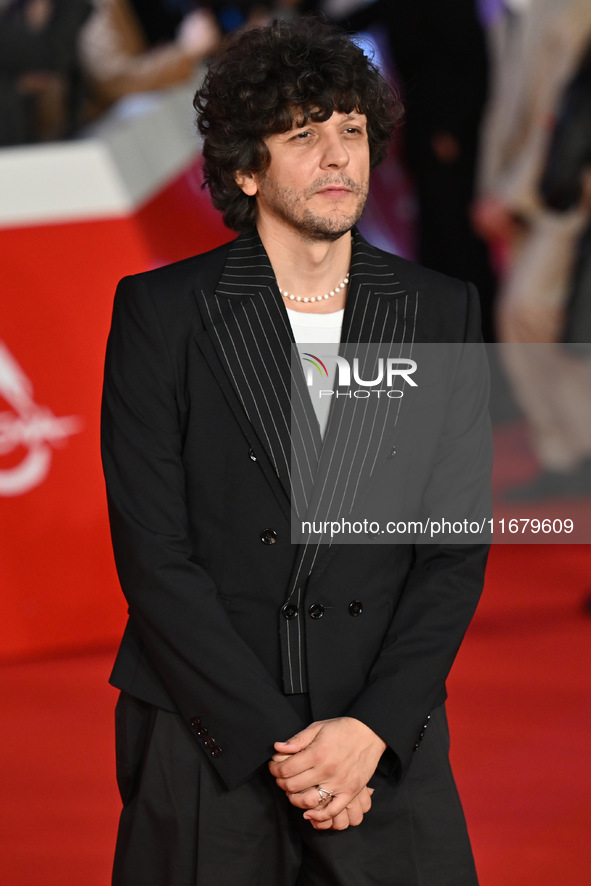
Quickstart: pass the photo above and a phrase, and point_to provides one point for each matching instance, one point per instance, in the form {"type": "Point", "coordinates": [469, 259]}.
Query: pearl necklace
{"type": "Point", "coordinates": [342, 285]}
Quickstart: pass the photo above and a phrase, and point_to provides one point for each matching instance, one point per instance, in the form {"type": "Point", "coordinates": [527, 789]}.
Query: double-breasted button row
{"type": "Point", "coordinates": [208, 741]}
{"type": "Point", "coordinates": [317, 610]}
{"type": "Point", "coordinates": [268, 536]}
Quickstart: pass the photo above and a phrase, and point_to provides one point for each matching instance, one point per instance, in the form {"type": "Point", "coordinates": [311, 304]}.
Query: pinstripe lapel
{"type": "Point", "coordinates": [378, 308]}
{"type": "Point", "coordinates": [250, 332]}
{"type": "Point", "coordinates": [378, 311]}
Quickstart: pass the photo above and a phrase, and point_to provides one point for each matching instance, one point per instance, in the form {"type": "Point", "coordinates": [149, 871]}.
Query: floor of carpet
{"type": "Point", "coordinates": [519, 708]}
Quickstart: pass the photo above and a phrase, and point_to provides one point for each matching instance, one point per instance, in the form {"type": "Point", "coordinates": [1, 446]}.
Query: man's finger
{"type": "Point", "coordinates": [340, 822]}
{"type": "Point", "coordinates": [355, 813]}
{"type": "Point", "coordinates": [279, 758]}
{"type": "Point", "coordinates": [299, 741]}
{"type": "Point", "coordinates": [294, 766]}
{"type": "Point", "coordinates": [298, 783]}
{"type": "Point", "coordinates": [308, 799]}
{"type": "Point", "coordinates": [322, 825]}
{"type": "Point", "coordinates": [365, 800]}
{"type": "Point", "coordinates": [329, 810]}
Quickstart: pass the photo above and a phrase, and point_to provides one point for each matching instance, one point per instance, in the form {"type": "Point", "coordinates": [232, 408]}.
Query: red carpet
{"type": "Point", "coordinates": [520, 708]}
{"type": "Point", "coordinates": [59, 803]}
{"type": "Point", "coordinates": [521, 715]}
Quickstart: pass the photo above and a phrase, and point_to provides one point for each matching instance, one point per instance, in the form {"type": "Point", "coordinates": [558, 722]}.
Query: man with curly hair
{"type": "Point", "coordinates": [281, 717]}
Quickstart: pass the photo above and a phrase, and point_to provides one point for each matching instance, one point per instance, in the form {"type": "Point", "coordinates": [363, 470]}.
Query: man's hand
{"type": "Point", "coordinates": [339, 755]}
{"type": "Point", "coordinates": [351, 816]}
{"type": "Point", "coordinates": [198, 33]}
{"type": "Point", "coordinates": [492, 219]}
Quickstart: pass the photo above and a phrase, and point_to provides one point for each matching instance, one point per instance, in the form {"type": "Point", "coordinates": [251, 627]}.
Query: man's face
{"type": "Point", "coordinates": [317, 181]}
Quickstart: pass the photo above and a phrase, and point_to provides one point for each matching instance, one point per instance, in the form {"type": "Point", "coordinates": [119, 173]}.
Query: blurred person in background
{"type": "Point", "coordinates": [138, 46]}
{"type": "Point", "coordinates": [39, 75]}
{"type": "Point", "coordinates": [539, 44]}
{"type": "Point", "coordinates": [566, 185]}
{"type": "Point", "coordinates": [439, 51]}
{"type": "Point", "coordinates": [133, 47]}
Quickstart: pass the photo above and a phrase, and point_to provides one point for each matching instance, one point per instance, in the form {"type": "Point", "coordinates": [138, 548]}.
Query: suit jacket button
{"type": "Point", "coordinates": [195, 722]}
{"type": "Point", "coordinates": [210, 743]}
{"type": "Point", "coordinates": [268, 536]}
{"type": "Point", "coordinates": [316, 610]}
{"type": "Point", "coordinates": [289, 611]}
{"type": "Point", "coordinates": [216, 751]}
{"type": "Point", "coordinates": [251, 455]}
{"type": "Point", "coordinates": [355, 607]}
{"type": "Point", "coordinates": [202, 731]}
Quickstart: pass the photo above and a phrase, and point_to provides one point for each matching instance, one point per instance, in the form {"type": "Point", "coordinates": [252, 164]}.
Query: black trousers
{"type": "Point", "coordinates": [180, 827]}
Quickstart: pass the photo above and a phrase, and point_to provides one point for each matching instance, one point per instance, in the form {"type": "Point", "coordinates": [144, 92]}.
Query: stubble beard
{"type": "Point", "coordinates": [290, 206]}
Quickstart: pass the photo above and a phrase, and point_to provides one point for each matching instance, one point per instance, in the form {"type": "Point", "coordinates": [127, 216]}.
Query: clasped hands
{"type": "Point", "coordinates": [339, 755]}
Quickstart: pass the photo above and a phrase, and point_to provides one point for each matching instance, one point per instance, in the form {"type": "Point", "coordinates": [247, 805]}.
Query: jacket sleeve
{"type": "Point", "coordinates": [214, 678]}
{"type": "Point", "coordinates": [443, 586]}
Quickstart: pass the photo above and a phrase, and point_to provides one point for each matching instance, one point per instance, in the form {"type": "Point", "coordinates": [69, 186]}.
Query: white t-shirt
{"type": "Point", "coordinates": [325, 330]}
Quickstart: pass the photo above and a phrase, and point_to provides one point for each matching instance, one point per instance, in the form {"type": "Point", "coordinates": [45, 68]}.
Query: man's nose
{"type": "Point", "coordinates": [334, 152]}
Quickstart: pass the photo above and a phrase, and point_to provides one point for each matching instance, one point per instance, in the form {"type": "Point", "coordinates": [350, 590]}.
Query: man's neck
{"type": "Point", "coordinates": [309, 268]}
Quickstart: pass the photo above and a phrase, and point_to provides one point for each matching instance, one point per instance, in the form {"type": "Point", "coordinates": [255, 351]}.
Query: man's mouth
{"type": "Point", "coordinates": [334, 191]}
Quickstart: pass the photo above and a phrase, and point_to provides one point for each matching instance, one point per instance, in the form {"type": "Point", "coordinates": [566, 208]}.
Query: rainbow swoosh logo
{"type": "Point", "coordinates": [316, 362]}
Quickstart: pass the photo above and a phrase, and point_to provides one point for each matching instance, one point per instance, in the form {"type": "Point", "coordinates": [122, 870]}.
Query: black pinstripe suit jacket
{"type": "Point", "coordinates": [197, 433]}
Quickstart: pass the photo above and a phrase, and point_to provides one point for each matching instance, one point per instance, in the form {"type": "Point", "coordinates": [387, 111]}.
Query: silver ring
{"type": "Point", "coordinates": [324, 794]}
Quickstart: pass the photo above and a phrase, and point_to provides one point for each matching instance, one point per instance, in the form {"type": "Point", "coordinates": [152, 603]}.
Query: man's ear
{"type": "Point", "coordinates": [246, 181]}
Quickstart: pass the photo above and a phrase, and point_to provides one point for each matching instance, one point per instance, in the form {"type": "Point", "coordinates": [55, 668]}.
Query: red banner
{"type": "Point", "coordinates": [57, 580]}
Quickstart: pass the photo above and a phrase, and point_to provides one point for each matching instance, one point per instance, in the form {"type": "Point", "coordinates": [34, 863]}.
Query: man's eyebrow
{"type": "Point", "coordinates": [353, 116]}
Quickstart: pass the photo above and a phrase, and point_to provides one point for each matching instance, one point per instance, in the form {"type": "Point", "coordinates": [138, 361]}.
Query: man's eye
{"type": "Point", "coordinates": [301, 136]}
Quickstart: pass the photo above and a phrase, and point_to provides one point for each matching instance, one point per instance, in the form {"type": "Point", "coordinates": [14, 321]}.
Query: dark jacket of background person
{"type": "Point", "coordinates": [439, 52]}
{"type": "Point", "coordinates": [39, 84]}
{"type": "Point", "coordinates": [565, 184]}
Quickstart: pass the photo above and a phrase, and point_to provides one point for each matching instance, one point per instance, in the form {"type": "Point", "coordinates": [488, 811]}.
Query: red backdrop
{"type": "Point", "coordinates": [58, 587]}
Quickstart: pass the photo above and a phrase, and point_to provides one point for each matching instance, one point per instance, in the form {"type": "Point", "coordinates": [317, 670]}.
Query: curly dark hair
{"type": "Point", "coordinates": [267, 79]}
